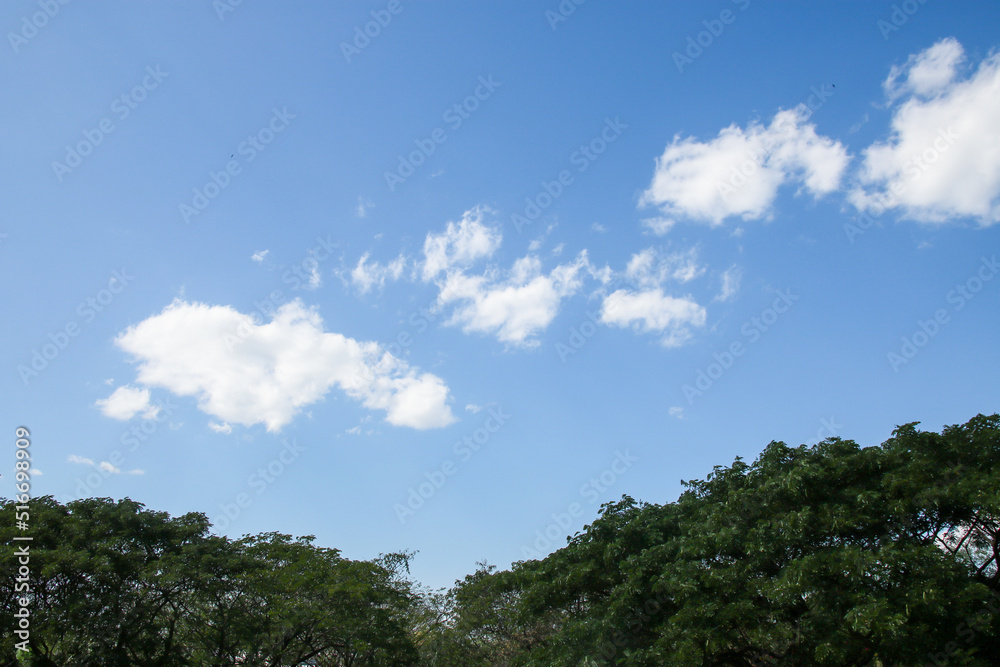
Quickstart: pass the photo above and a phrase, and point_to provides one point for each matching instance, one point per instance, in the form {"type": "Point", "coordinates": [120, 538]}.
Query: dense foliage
{"type": "Point", "coordinates": [829, 555]}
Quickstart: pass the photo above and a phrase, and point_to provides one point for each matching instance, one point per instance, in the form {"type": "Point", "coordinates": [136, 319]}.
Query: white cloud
{"type": "Point", "coordinates": [361, 210]}
{"type": "Point", "coordinates": [315, 278]}
{"type": "Point", "coordinates": [367, 275]}
{"type": "Point", "coordinates": [260, 255]}
{"type": "Point", "coordinates": [739, 172]}
{"type": "Point", "coordinates": [658, 226]}
{"type": "Point", "coordinates": [473, 408]}
{"type": "Point", "coordinates": [652, 267]}
{"type": "Point", "coordinates": [942, 160]}
{"type": "Point", "coordinates": [599, 228]}
{"type": "Point", "coordinates": [460, 244]}
{"type": "Point", "coordinates": [731, 279]}
{"type": "Point", "coordinates": [106, 466]}
{"type": "Point", "coordinates": [676, 411]}
{"type": "Point", "coordinates": [516, 306]}
{"type": "Point", "coordinates": [356, 430]}
{"type": "Point", "coordinates": [224, 427]}
{"type": "Point", "coordinates": [653, 311]}
{"type": "Point", "coordinates": [35, 472]}
{"type": "Point", "coordinates": [928, 72]}
{"type": "Point", "coordinates": [270, 374]}
{"type": "Point", "coordinates": [126, 402]}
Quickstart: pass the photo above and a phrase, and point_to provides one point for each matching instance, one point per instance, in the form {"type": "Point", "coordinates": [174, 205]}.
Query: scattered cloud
{"type": "Point", "coordinates": [473, 408]}
{"type": "Point", "coordinates": [361, 210]}
{"type": "Point", "coordinates": [942, 159]}
{"type": "Point", "coordinates": [731, 279]}
{"type": "Point", "coordinates": [460, 244]}
{"type": "Point", "coordinates": [270, 374]}
{"type": "Point", "coordinates": [676, 411]}
{"type": "Point", "coordinates": [260, 255]}
{"type": "Point", "coordinates": [514, 306]}
{"type": "Point", "coordinates": [857, 126]}
{"type": "Point", "coordinates": [105, 466]}
{"type": "Point", "coordinates": [315, 278]}
{"type": "Point", "coordinates": [651, 310]}
{"type": "Point", "coordinates": [224, 427]}
{"type": "Point", "coordinates": [738, 173]}
{"type": "Point", "coordinates": [369, 275]}
{"type": "Point", "coordinates": [652, 267]}
{"type": "Point", "coordinates": [599, 228]}
{"type": "Point", "coordinates": [126, 402]}
{"type": "Point", "coordinates": [658, 226]}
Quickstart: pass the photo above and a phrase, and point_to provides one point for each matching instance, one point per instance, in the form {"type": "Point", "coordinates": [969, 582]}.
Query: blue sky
{"type": "Point", "coordinates": [450, 285]}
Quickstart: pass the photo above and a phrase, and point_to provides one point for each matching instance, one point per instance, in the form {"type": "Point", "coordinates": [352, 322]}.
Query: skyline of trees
{"type": "Point", "coordinates": [834, 554]}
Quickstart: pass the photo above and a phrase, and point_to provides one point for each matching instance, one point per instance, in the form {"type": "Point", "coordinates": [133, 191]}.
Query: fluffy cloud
{"type": "Point", "coordinates": [645, 307]}
{"type": "Point", "coordinates": [246, 373]}
{"type": "Point", "coordinates": [460, 245]}
{"type": "Point", "coordinates": [651, 310]}
{"type": "Point", "coordinates": [514, 306]}
{"type": "Point", "coordinates": [739, 172]}
{"type": "Point", "coordinates": [928, 72]}
{"type": "Point", "coordinates": [126, 402]}
{"type": "Point", "coordinates": [942, 159]}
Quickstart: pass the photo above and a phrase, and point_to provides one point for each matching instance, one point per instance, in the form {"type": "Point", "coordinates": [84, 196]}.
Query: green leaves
{"type": "Point", "coordinates": [830, 555]}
